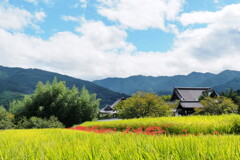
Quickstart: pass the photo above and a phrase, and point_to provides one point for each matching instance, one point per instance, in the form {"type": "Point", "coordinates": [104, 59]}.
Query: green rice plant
{"type": "Point", "coordinates": [224, 124]}
{"type": "Point", "coordinates": [64, 144]}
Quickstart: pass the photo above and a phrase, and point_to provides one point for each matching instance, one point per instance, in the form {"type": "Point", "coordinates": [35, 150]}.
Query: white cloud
{"type": "Point", "coordinates": [229, 15]}
{"type": "Point", "coordinates": [16, 19]}
{"type": "Point", "coordinates": [71, 18]}
{"type": "Point", "coordinates": [35, 2]}
{"type": "Point", "coordinates": [104, 37]}
{"type": "Point", "coordinates": [32, 1]}
{"type": "Point", "coordinates": [83, 3]}
{"type": "Point", "coordinates": [141, 14]}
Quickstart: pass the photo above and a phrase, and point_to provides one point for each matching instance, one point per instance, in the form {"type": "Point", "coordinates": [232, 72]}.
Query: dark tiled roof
{"type": "Point", "coordinates": [110, 109]}
{"type": "Point", "coordinates": [188, 93]}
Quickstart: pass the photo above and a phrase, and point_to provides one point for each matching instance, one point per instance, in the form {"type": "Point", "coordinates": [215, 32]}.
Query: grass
{"type": "Point", "coordinates": [70, 144]}
{"type": "Point", "coordinates": [224, 124]}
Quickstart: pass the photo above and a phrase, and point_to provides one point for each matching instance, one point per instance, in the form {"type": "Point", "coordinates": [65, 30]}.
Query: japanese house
{"type": "Point", "coordinates": [109, 109]}
{"type": "Point", "coordinates": [188, 98]}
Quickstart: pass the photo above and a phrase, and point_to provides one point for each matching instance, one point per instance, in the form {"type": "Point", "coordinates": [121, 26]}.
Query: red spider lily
{"type": "Point", "coordinates": [216, 132]}
{"type": "Point", "coordinates": [150, 128]}
{"type": "Point", "coordinates": [158, 128]}
{"type": "Point", "coordinates": [166, 126]}
{"type": "Point", "coordinates": [184, 130]}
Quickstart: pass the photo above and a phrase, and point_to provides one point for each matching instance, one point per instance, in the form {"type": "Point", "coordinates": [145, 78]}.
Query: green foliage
{"type": "Point", "coordinates": [144, 105]}
{"type": "Point", "coordinates": [7, 97]}
{"type": "Point", "coordinates": [207, 93]}
{"type": "Point", "coordinates": [216, 106]}
{"type": "Point", "coordinates": [233, 96]}
{"type": "Point", "coordinates": [35, 122]}
{"type": "Point", "coordinates": [106, 116]}
{"type": "Point", "coordinates": [166, 98]}
{"type": "Point", "coordinates": [57, 100]}
{"type": "Point", "coordinates": [6, 119]}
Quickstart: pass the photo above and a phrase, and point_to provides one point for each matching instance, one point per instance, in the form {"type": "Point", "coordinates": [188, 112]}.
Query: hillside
{"type": "Point", "coordinates": [234, 84]}
{"type": "Point", "coordinates": [15, 82]}
{"type": "Point", "coordinates": [164, 84]}
{"type": "Point", "coordinates": [161, 84]}
{"type": "Point", "coordinates": [220, 78]}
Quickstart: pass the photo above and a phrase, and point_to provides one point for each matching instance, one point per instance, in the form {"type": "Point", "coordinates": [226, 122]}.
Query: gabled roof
{"type": "Point", "coordinates": [110, 109]}
{"type": "Point", "coordinates": [188, 93]}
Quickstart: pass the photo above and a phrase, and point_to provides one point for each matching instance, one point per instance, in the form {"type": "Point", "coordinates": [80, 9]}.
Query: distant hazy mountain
{"type": "Point", "coordinates": [14, 82]}
{"type": "Point", "coordinates": [234, 84]}
{"type": "Point", "coordinates": [164, 84]}
{"type": "Point", "coordinates": [220, 78]}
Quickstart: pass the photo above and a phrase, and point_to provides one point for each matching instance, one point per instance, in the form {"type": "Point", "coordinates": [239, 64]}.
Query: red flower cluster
{"type": "Point", "coordinates": [94, 129]}
{"type": "Point", "coordinates": [152, 130]}
{"type": "Point", "coordinates": [149, 130]}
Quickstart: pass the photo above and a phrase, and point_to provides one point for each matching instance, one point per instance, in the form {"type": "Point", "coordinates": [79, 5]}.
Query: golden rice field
{"type": "Point", "coordinates": [64, 144]}
{"type": "Point", "coordinates": [224, 124]}
{"type": "Point", "coordinates": [67, 144]}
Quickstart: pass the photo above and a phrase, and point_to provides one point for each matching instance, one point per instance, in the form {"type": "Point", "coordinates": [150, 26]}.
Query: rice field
{"type": "Point", "coordinates": [174, 144]}
{"type": "Point", "coordinates": [224, 124]}
{"type": "Point", "coordinates": [64, 144]}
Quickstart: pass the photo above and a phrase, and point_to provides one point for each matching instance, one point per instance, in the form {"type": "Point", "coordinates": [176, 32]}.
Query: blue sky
{"type": "Point", "coordinates": [94, 39]}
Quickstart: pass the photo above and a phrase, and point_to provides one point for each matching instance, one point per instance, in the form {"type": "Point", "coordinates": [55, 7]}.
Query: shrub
{"type": "Point", "coordinates": [35, 122]}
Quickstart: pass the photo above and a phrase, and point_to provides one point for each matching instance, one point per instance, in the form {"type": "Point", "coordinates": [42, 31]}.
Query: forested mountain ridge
{"type": "Point", "coordinates": [164, 84]}
{"type": "Point", "coordinates": [15, 82]}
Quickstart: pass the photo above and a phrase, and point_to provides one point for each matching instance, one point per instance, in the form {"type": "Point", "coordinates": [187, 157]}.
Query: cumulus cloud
{"type": "Point", "coordinates": [141, 14]}
{"type": "Point", "coordinates": [229, 15]}
{"type": "Point", "coordinates": [13, 18]}
{"type": "Point", "coordinates": [216, 45]}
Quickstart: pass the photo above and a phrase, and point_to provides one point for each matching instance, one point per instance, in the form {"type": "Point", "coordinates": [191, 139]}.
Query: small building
{"type": "Point", "coordinates": [109, 109]}
{"type": "Point", "coordinates": [188, 98]}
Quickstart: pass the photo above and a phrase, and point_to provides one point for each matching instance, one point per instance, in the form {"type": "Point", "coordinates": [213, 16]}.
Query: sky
{"type": "Point", "coordinates": [96, 39]}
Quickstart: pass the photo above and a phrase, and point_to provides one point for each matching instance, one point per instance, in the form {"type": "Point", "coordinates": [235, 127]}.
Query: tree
{"type": "Point", "coordinates": [55, 99]}
{"type": "Point", "coordinates": [208, 93]}
{"type": "Point", "coordinates": [6, 119]}
{"type": "Point", "coordinates": [144, 105]}
{"type": "Point", "coordinates": [233, 96]}
{"type": "Point", "coordinates": [216, 106]}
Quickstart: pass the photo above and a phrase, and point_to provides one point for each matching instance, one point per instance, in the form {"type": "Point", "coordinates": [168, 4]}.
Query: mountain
{"type": "Point", "coordinates": [15, 82]}
{"type": "Point", "coordinates": [234, 84]}
{"type": "Point", "coordinates": [163, 85]}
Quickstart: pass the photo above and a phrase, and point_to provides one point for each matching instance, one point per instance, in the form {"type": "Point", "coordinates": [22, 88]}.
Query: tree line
{"type": "Point", "coordinates": [151, 105]}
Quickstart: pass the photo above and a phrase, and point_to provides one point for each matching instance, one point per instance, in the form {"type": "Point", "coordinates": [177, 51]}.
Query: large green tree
{"type": "Point", "coordinates": [55, 99]}
{"type": "Point", "coordinates": [216, 106]}
{"type": "Point", "coordinates": [144, 105]}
